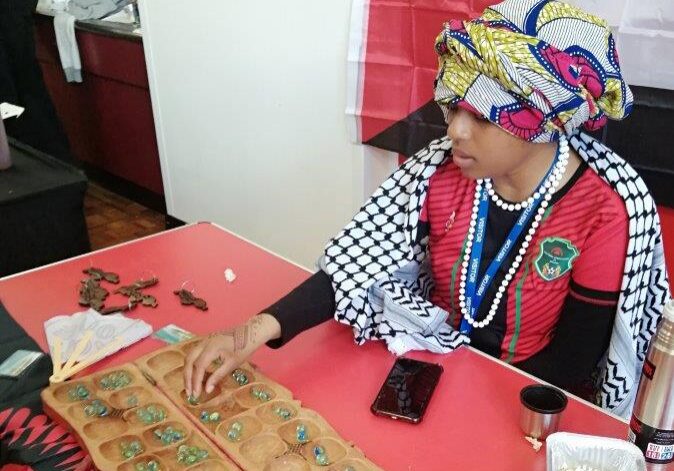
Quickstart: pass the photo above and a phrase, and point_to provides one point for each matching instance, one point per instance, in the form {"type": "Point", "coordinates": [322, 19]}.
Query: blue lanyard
{"type": "Point", "coordinates": [474, 292]}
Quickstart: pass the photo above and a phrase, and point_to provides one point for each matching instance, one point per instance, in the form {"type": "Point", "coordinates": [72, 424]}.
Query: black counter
{"type": "Point", "coordinates": [41, 211]}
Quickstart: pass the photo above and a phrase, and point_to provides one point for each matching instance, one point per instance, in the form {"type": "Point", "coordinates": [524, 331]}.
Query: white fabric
{"type": "Point", "coordinates": [369, 264]}
{"type": "Point", "coordinates": [64, 29]}
{"type": "Point", "coordinates": [106, 329]}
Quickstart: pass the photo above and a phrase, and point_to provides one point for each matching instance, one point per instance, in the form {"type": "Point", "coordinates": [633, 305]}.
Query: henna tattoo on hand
{"type": "Point", "coordinates": [241, 338]}
{"type": "Point", "coordinates": [255, 324]}
{"type": "Point", "coordinates": [225, 333]}
{"type": "Point", "coordinates": [242, 335]}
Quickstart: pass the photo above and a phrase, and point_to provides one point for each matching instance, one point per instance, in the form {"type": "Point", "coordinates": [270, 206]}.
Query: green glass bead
{"type": "Point", "coordinates": [301, 434]}
{"type": "Point", "coordinates": [78, 393]}
{"type": "Point", "coordinates": [260, 394]}
{"type": "Point", "coordinates": [142, 466]}
{"type": "Point", "coordinates": [283, 413]}
{"type": "Point", "coordinates": [240, 377]}
{"type": "Point", "coordinates": [132, 401]}
{"type": "Point", "coordinates": [214, 417]}
{"type": "Point", "coordinates": [115, 380]}
{"type": "Point", "coordinates": [150, 415]}
{"type": "Point", "coordinates": [191, 454]}
{"type": "Point", "coordinates": [193, 401]}
{"type": "Point", "coordinates": [90, 411]}
{"type": "Point", "coordinates": [129, 450]}
{"type": "Point", "coordinates": [322, 460]}
{"type": "Point", "coordinates": [234, 433]}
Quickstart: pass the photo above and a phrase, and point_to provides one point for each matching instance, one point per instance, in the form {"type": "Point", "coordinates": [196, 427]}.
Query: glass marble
{"type": "Point", "coordinates": [283, 413]}
{"type": "Point", "coordinates": [115, 380]}
{"type": "Point", "coordinates": [150, 414]}
{"type": "Point", "coordinates": [191, 454]}
{"type": "Point", "coordinates": [234, 432]}
{"type": "Point", "coordinates": [301, 433]}
{"type": "Point", "coordinates": [240, 377]}
{"type": "Point", "coordinates": [151, 465]}
{"type": "Point", "coordinates": [169, 435]}
{"type": "Point", "coordinates": [96, 409]}
{"type": "Point", "coordinates": [260, 394]}
{"type": "Point", "coordinates": [78, 393]}
{"type": "Point", "coordinates": [209, 417]}
{"type": "Point", "coordinates": [131, 449]}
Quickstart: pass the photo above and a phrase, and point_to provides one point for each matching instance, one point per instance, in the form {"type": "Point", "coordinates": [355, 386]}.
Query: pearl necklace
{"type": "Point", "coordinates": [563, 149]}
{"type": "Point", "coordinates": [546, 191]}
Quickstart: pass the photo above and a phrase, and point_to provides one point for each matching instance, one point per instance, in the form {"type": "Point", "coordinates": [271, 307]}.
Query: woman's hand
{"type": "Point", "coordinates": [229, 348]}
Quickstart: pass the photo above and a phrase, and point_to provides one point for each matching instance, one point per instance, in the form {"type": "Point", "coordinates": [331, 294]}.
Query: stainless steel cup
{"type": "Point", "coordinates": [541, 409]}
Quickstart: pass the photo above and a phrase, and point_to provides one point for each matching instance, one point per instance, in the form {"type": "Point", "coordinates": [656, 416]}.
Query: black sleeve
{"type": "Point", "coordinates": [579, 341]}
{"type": "Point", "coordinates": [308, 305]}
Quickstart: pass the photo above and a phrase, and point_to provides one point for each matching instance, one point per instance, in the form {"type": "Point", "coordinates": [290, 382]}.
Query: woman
{"type": "Point", "coordinates": [517, 233]}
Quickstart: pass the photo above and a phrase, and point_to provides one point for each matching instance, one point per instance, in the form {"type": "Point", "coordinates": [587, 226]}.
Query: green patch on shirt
{"type": "Point", "coordinates": [555, 258]}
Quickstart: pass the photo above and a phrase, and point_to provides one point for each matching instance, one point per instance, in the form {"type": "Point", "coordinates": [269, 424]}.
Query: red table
{"type": "Point", "coordinates": [471, 423]}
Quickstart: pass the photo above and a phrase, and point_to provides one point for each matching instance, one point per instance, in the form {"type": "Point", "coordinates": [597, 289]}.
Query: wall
{"type": "Point", "coordinates": [644, 32]}
{"type": "Point", "coordinates": [249, 102]}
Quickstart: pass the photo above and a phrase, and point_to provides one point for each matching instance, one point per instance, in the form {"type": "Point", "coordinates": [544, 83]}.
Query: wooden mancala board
{"type": "Point", "coordinates": [248, 422]}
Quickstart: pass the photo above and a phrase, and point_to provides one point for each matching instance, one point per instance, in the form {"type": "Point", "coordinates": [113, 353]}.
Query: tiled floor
{"type": "Point", "coordinates": [113, 219]}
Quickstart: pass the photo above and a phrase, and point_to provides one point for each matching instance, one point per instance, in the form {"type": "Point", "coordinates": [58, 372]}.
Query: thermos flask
{"type": "Point", "coordinates": [652, 423]}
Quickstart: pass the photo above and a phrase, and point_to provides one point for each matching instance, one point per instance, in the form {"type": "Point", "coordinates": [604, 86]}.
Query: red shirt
{"type": "Point", "coordinates": [578, 250]}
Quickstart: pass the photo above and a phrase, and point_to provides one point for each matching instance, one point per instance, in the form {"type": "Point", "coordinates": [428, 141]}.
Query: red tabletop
{"type": "Point", "coordinates": [471, 422]}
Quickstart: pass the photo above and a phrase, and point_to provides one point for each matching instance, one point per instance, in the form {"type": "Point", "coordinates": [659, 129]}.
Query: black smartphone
{"type": "Point", "coordinates": [407, 390]}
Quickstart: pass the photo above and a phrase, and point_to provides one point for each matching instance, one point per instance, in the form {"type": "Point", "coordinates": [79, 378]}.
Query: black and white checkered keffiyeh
{"type": "Point", "coordinates": [379, 269]}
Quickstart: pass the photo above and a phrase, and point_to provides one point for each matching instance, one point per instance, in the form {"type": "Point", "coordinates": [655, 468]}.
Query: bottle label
{"type": "Point", "coordinates": [657, 445]}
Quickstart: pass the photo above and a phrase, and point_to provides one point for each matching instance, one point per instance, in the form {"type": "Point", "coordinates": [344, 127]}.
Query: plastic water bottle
{"type": "Point", "coordinates": [652, 424]}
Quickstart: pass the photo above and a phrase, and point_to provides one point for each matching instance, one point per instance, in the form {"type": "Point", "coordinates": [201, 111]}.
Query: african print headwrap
{"type": "Point", "coordinates": [535, 68]}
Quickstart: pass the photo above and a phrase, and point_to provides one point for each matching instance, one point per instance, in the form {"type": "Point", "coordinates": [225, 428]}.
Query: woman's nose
{"type": "Point", "coordinates": [460, 125]}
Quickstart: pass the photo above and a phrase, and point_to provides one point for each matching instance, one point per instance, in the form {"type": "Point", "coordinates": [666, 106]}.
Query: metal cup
{"type": "Point", "coordinates": [541, 409]}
